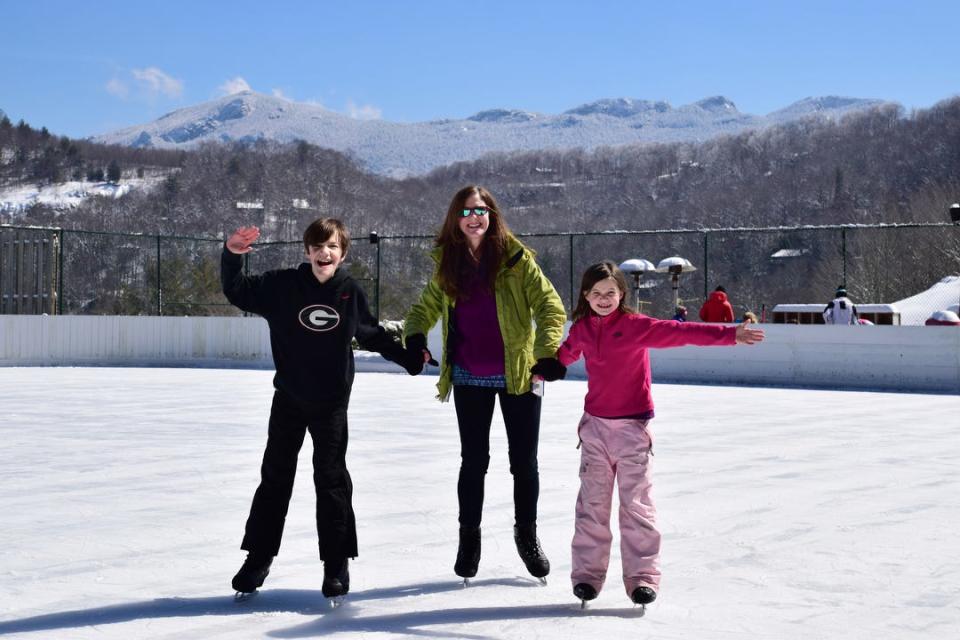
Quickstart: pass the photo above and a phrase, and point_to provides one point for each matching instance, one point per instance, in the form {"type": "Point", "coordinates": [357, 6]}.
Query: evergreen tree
{"type": "Point", "coordinates": [113, 172]}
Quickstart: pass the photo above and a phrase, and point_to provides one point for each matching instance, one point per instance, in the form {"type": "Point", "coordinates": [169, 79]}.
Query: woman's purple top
{"type": "Point", "coordinates": [479, 344]}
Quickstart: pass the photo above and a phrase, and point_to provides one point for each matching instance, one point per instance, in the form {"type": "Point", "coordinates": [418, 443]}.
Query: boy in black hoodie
{"type": "Point", "coordinates": [313, 312]}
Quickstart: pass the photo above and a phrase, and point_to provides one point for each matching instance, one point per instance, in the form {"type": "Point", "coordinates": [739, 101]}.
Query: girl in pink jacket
{"type": "Point", "coordinates": [615, 439]}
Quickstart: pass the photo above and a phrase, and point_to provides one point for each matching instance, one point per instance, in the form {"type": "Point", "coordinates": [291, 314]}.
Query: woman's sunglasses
{"type": "Point", "coordinates": [477, 211]}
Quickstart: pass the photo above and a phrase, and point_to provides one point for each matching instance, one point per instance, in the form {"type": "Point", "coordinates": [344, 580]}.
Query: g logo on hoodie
{"type": "Point", "coordinates": [319, 317]}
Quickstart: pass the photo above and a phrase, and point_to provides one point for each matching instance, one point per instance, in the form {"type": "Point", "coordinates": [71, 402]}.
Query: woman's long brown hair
{"type": "Point", "coordinates": [456, 251]}
{"type": "Point", "coordinates": [594, 274]}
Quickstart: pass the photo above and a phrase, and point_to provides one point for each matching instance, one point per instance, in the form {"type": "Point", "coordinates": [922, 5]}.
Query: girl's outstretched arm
{"type": "Point", "coordinates": [748, 335]}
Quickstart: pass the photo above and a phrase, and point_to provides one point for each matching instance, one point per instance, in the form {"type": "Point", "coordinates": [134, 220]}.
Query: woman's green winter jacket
{"type": "Point", "coordinates": [524, 296]}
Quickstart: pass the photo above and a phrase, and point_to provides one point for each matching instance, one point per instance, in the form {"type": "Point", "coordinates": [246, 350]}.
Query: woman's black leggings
{"type": "Point", "coordinates": [521, 416]}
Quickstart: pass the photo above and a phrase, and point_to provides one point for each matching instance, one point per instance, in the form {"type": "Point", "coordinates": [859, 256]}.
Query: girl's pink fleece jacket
{"type": "Point", "coordinates": [614, 348]}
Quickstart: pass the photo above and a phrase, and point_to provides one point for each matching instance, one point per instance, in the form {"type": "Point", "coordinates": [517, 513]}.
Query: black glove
{"type": "Point", "coordinates": [549, 369]}
{"type": "Point", "coordinates": [416, 344]}
{"type": "Point", "coordinates": [412, 361]}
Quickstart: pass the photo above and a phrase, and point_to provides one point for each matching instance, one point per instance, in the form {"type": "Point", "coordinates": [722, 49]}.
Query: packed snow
{"type": "Point", "coordinates": [942, 296]}
{"type": "Point", "coordinates": [15, 199]}
{"type": "Point", "coordinates": [785, 514]}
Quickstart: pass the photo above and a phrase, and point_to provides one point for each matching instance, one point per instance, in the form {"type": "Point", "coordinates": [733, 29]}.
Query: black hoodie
{"type": "Point", "coordinates": [311, 328]}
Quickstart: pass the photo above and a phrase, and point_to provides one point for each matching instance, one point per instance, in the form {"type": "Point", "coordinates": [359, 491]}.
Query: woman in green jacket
{"type": "Point", "coordinates": [488, 290]}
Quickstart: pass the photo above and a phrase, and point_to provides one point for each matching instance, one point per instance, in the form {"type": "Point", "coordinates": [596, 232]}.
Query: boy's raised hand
{"type": "Point", "coordinates": [241, 240]}
{"type": "Point", "coordinates": [748, 335]}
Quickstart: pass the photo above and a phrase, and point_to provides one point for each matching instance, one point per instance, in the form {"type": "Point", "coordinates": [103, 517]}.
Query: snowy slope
{"type": "Point", "coordinates": [398, 149]}
{"type": "Point", "coordinates": [786, 514]}
{"type": "Point", "coordinates": [942, 295]}
{"type": "Point", "coordinates": [63, 195]}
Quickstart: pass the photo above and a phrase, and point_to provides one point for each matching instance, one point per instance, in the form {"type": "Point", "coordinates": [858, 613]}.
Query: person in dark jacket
{"type": "Point", "coordinates": [314, 312]}
{"type": "Point", "coordinates": [717, 308]}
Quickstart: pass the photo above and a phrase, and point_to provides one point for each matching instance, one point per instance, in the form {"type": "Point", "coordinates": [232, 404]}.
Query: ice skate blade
{"type": "Point", "coordinates": [643, 610]}
{"type": "Point", "coordinates": [583, 605]}
{"type": "Point", "coordinates": [243, 596]}
{"type": "Point", "coordinates": [336, 601]}
{"type": "Point", "coordinates": [466, 583]}
{"type": "Point", "coordinates": [543, 581]}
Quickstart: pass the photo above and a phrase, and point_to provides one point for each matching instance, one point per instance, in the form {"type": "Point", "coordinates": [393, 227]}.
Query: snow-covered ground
{"type": "Point", "coordinates": [67, 195]}
{"type": "Point", "coordinates": [941, 296]}
{"type": "Point", "coordinates": [785, 513]}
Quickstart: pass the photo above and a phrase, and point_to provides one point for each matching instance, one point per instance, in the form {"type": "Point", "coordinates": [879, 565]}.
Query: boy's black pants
{"type": "Point", "coordinates": [336, 525]}
{"type": "Point", "coordinates": [521, 416]}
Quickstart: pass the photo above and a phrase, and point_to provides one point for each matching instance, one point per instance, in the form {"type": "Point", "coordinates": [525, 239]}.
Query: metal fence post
{"type": "Point", "coordinates": [376, 289]}
{"type": "Point", "coordinates": [59, 236]}
{"type": "Point", "coordinates": [573, 291]}
{"type": "Point", "coordinates": [706, 265]}
{"type": "Point", "coordinates": [843, 249]}
{"type": "Point", "coordinates": [159, 282]}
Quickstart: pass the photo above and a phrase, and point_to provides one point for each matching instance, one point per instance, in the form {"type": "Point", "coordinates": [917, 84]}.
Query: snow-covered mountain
{"type": "Point", "coordinates": [826, 105]}
{"type": "Point", "coordinates": [399, 149]}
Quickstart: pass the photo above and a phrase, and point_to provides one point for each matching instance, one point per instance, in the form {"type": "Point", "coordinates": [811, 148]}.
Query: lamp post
{"type": "Point", "coordinates": [637, 267]}
{"type": "Point", "coordinates": [675, 266]}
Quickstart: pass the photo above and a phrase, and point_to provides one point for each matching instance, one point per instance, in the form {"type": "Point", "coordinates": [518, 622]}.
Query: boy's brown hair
{"type": "Point", "coordinates": [321, 229]}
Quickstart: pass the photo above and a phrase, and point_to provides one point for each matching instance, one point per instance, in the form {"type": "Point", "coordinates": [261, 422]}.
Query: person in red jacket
{"type": "Point", "coordinates": [717, 308]}
{"type": "Point", "coordinates": [615, 438]}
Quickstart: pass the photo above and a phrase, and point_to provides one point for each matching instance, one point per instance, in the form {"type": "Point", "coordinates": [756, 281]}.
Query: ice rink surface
{"type": "Point", "coordinates": [785, 514]}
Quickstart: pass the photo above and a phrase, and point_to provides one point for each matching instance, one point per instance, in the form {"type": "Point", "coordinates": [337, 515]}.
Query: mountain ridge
{"type": "Point", "coordinates": [403, 149]}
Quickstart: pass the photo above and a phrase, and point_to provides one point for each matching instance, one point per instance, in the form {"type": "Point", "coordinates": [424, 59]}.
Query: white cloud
{"type": "Point", "coordinates": [278, 93]}
{"type": "Point", "coordinates": [118, 88]}
{"type": "Point", "coordinates": [234, 85]}
{"type": "Point", "coordinates": [364, 112]}
{"type": "Point", "coordinates": [153, 82]}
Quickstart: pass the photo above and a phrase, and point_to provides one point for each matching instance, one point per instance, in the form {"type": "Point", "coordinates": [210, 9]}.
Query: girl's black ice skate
{"type": "Point", "coordinates": [643, 595]}
{"type": "Point", "coordinates": [585, 592]}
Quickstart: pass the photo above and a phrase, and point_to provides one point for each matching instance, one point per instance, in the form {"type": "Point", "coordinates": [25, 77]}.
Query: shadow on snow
{"type": "Point", "coordinates": [312, 602]}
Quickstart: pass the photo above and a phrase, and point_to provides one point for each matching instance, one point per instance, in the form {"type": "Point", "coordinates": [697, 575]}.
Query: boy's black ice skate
{"type": "Point", "coordinates": [585, 592]}
{"type": "Point", "coordinates": [468, 553]}
{"type": "Point", "coordinates": [528, 546]}
{"type": "Point", "coordinates": [336, 578]}
{"type": "Point", "coordinates": [254, 571]}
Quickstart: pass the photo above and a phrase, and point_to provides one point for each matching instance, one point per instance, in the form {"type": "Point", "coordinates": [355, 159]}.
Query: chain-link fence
{"type": "Point", "coordinates": [56, 271]}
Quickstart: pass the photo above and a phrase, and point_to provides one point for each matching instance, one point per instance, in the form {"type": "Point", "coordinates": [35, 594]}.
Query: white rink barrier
{"type": "Point", "coordinates": [894, 358]}
{"type": "Point", "coordinates": [134, 341]}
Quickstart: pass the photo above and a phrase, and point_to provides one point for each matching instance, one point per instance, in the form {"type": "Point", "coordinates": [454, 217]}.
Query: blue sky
{"type": "Point", "coordinates": [81, 68]}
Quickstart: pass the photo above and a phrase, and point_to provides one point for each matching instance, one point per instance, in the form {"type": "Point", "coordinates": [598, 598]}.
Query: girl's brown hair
{"type": "Point", "coordinates": [594, 274]}
{"type": "Point", "coordinates": [456, 252]}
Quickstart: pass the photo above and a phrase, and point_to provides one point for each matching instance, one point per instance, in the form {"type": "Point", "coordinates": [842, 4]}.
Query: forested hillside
{"type": "Point", "coordinates": [877, 166]}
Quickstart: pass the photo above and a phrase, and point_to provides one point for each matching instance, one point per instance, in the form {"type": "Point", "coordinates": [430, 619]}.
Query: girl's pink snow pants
{"type": "Point", "coordinates": [615, 448]}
